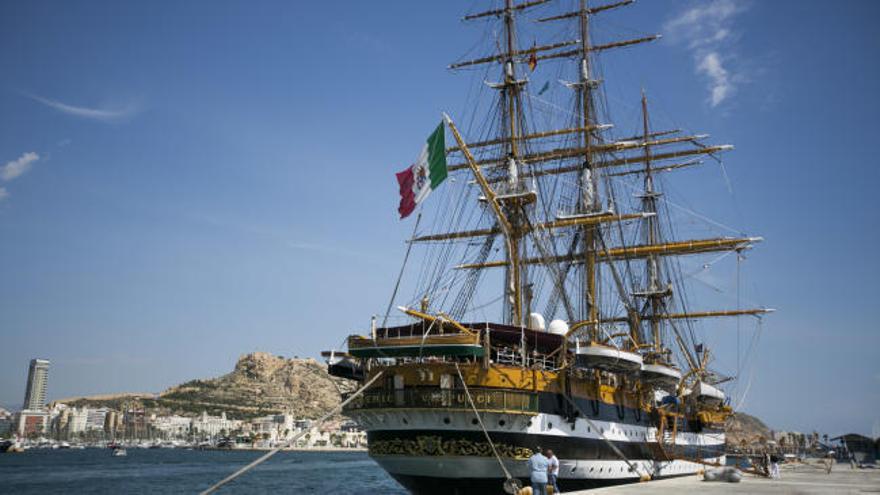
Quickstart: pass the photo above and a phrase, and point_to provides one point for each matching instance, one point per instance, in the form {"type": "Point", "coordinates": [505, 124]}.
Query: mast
{"type": "Point", "coordinates": [515, 275]}
{"type": "Point", "coordinates": [588, 181]}
{"type": "Point", "coordinates": [649, 202]}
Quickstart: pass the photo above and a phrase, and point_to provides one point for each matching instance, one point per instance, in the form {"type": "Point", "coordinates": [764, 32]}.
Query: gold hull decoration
{"type": "Point", "coordinates": [435, 446]}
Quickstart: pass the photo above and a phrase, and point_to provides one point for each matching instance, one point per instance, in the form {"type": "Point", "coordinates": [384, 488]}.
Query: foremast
{"type": "Point", "coordinates": [515, 278]}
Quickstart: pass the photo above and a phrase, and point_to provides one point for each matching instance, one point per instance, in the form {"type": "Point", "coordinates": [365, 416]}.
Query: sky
{"type": "Point", "coordinates": [185, 182]}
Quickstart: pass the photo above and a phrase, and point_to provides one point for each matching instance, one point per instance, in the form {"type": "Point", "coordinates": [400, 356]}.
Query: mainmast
{"type": "Point", "coordinates": [653, 292]}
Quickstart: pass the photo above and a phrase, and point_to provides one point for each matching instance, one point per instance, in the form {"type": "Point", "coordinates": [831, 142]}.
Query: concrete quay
{"type": "Point", "coordinates": [800, 479]}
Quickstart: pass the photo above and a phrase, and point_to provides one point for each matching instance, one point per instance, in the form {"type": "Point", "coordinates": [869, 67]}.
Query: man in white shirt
{"type": "Point", "coordinates": [553, 472]}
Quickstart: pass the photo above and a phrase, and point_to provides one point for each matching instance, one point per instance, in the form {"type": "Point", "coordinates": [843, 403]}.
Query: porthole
{"type": "Point", "coordinates": [446, 421]}
{"type": "Point", "coordinates": [502, 422]}
{"type": "Point", "coordinates": [474, 421]}
{"type": "Point", "coordinates": [549, 426]}
{"type": "Point", "coordinates": [530, 423]}
{"type": "Point", "coordinates": [405, 421]}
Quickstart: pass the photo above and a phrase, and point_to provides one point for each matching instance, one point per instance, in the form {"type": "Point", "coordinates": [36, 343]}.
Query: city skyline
{"type": "Point", "coordinates": [185, 184]}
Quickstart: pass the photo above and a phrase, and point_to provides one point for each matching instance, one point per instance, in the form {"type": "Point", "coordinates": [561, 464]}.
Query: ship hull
{"type": "Point", "coordinates": [442, 479]}
{"type": "Point", "coordinates": [445, 452]}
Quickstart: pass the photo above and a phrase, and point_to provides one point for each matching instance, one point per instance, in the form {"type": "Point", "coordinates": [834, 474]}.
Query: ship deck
{"type": "Point", "coordinates": [805, 479]}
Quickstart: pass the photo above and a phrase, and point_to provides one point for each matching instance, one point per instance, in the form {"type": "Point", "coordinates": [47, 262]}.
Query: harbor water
{"type": "Point", "coordinates": [190, 471]}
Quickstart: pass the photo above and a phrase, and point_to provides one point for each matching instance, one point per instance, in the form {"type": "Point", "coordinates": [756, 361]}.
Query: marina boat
{"type": "Point", "coordinates": [119, 452]}
{"type": "Point", "coordinates": [560, 218]}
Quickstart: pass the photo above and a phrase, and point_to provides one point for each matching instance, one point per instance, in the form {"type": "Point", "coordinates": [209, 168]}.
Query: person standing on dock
{"type": "Point", "coordinates": [774, 466]}
{"type": "Point", "coordinates": [553, 472]}
{"type": "Point", "coordinates": [538, 467]}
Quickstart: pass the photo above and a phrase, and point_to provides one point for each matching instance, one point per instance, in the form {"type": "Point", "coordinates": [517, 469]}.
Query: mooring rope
{"type": "Point", "coordinates": [482, 426]}
{"type": "Point", "coordinates": [293, 440]}
{"type": "Point", "coordinates": [609, 442]}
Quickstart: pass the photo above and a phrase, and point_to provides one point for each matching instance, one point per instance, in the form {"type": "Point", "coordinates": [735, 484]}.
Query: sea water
{"type": "Point", "coordinates": [190, 471]}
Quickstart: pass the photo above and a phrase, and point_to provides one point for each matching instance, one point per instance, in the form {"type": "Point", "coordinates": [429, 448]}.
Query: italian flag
{"type": "Point", "coordinates": [423, 176]}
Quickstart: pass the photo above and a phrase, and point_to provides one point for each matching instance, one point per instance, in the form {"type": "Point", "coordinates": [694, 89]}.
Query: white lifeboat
{"type": "Point", "coordinates": [660, 375]}
{"type": "Point", "coordinates": [708, 393]}
{"type": "Point", "coordinates": [607, 358]}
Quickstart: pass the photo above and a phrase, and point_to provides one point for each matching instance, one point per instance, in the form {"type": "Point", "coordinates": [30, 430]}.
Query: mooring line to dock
{"type": "Point", "coordinates": [293, 440]}
{"type": "Point", "coordinates": [642, 477]}
{"type": "Point", "coordinates": [483, 427]}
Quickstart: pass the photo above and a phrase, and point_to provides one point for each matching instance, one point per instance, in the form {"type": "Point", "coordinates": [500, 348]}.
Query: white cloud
{"type": "Point", "coordinates": [102, 114]}
{"type": "Point", "coordinates": [19, 166]}
{"type": "Point", "coordinates": [3, 193]}
{"type": "Point", "coordinates": [706, 30]}
{"type": "Point", "coordinates": [710, 65]}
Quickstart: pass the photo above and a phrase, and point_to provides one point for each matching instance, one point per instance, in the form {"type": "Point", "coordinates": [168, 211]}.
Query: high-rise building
{"type": "Point", "coordinates": [38, 377]}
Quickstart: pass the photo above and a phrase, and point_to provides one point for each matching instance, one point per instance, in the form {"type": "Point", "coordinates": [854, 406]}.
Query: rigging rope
{"type": "Point", "coordinates": [293, 440]}
{"type": "Point", "coordinates": [402, 267]}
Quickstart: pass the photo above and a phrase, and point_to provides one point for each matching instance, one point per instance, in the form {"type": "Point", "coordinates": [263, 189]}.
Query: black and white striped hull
{"type": "Point", "coordinates": [445, 452]}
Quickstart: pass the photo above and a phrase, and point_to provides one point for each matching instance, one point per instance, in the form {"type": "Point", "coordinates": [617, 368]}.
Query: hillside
{"type": "Point", "coordinates": [743, 427]}
{"type": "Point", "coordinates": [260, 384]}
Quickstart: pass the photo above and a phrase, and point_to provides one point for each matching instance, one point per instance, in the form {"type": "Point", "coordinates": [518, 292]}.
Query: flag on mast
{"type": "Point", "coordinates": [423, 176]}
{"type": "Point", "coordinates": [533, 57]}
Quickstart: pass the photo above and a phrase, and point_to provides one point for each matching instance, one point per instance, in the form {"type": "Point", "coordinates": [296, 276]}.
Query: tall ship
{"type": "Point", "coordinates": [548, 305]}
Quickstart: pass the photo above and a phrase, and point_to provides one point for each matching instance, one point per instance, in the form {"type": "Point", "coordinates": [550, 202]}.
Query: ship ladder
{"type": "Point", "coordinates": [657, 447]}
{"type": "Point", "coordinates": [511, 484]}
{"type": "Point", "coordinates": [668, 437]}
{"type": "Point", "coordinates": [632, 467]}
{"type": "Point", "coordinates": [293, 440]}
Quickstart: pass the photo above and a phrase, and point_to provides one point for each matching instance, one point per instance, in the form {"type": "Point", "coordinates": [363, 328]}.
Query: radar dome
{"type": "Point", "coordinates": [558, 327]}
{"type": "Point", "coordinates": [536, 321]}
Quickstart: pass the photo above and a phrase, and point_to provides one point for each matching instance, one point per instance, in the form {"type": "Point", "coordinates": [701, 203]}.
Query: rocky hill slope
{"type": "Point", "coordinates": [260, 384]}
{"type": "Point", "coordinates": [745, 428]}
